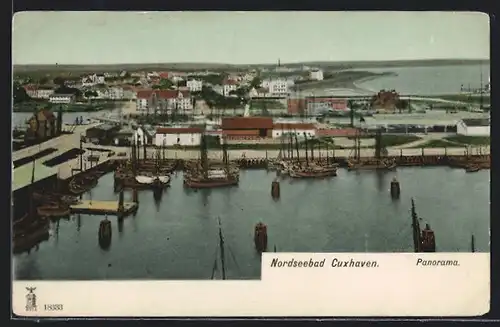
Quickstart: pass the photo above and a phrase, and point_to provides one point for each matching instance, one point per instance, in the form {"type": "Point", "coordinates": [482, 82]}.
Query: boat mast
{"type": "Point", "coordinates": [305, 142]}
{"type": "Point", "coordinates": [416, 227]}
{"type": "Point", "coordinates": [204, 156]}
{"type": "Point", "coordinates": [297, 149]}
{"type": "Point", "coordinates": [221, 245]}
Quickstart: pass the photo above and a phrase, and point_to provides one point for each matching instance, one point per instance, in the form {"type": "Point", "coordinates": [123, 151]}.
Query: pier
{"type": "Point", "coordinates": [93, 207]}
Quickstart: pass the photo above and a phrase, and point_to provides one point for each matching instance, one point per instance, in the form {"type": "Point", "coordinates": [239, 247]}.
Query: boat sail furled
{"type": "Point", "coordinates": [311, 169]}
{"type": "Point", "coordinates": [204, 176]}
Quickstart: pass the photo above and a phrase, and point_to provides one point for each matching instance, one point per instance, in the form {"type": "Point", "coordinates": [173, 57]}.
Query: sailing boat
{"type": "Point", "coordinates": [311, 170]}
{"type": "Point", "coordinates": [156, 180]}
{"type": "Point", "coordinates": [370, 164]}
{"type": "Point", "coordinates": [29, 230]}
{"type": "Point", "coordinates": [205, 177]}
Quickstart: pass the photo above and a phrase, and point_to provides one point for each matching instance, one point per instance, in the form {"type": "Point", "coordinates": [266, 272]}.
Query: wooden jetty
{"type": "Point", "coordinates": [94, 207]}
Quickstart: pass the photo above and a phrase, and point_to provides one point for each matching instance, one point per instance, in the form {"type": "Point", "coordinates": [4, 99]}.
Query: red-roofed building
{"type": "Point", "coordinates": [229, 85]}
{"type": "Point", "coordinates": [166, 101]}
{"type": "Point", "coordinates": [181, 136]}
{"type": "Point", "coordinates": [164, 75]}
{"type": "Point", "coordinates": [38, 92]}
{"type": "Point", "coordinates": [245, 127]}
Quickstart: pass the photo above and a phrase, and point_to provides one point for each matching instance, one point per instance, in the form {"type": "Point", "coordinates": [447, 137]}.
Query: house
{"type": "Point", "coordinates": [38, 92]}
{"type": "Point", "coordinates": [474, 127]}
{"type": "Point", "coordinates": [260, 92]}
{"type": "Point", "coordinates": [42, 125]}
{"type": "Point", "coordinates": [194, 85]}
{"type": "Point", "coordinates": [316, 75]}
{"type": "Point", "coordinates": [62, 98]}
{"type": "Point", "coordinates": [101, 134]}
{"type": "Point", "coordinates": [319, 105]}
{"type": "Point", "coordinates": [94, 79]}
{"type": "Point", "coordinates": [179, 101]}
{"type": "Point", "coordinates": [145, 101]}
{"type": "Point", "coordinates": [276, 87]}
{"type": "Point", "coordinates": [116, 93]}
{"type": "Point", "coordinates": [129, 92]}
{"type": "Point", "coordinates": [178, 136]}
{"type": "Point", "coordinates": [143, 135]}
{"type": "Point", "coordinates": [296, 106]}
{"type": "Point", "coordinates": [247, 127]}
{"type": "Point", "coordinates": [167, 101]}
{"type": "Point", "coordinates": [294, 128]}
{"type": "Point", "coordinates": [124, 136]}
{"type": "Point", "coordinates": [229, 85]}
{"type": "Point", "coordinates": [218, 89]}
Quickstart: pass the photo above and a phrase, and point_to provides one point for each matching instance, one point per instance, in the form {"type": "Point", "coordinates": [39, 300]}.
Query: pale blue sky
{"type": "Point", "coordinates": [245, 37]}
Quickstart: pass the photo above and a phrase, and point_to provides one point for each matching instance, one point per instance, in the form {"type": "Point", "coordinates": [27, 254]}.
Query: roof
{"type": "Point", "coordinates": [476, 122]}
{"type": "Point", "coordinates": [61, 95]}
{"type": "Point", "coordinates": [336, 132]}
{"type": "Point", "coordinates": [21, 177]}
{"type": "Point", "coordinates": [144, 94]}
{"type": "Point", "coordinates": [179, 130]}
{"type": "Point", "coordinates": [247, 123]}
{"type": "Point", "coordinates": [104, 127]}
{"type": "Point", "coordinates": [229, 82]}
{"type": "Point", "coordinates": [170, 94]}
{"type": "Point", "coordinates": [250, 132]}
{"type": "Point", "coordinates": [287, 126]}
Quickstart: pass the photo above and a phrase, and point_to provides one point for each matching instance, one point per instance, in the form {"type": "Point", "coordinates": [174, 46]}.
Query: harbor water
{"type": "Point", "coordinates": [177, 238]}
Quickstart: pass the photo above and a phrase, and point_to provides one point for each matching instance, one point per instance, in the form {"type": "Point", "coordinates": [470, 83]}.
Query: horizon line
{"type": "Point", "coordinates": [253, 64]}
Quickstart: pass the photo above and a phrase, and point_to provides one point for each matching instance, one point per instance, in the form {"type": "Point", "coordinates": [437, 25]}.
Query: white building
{"type": "Point", "coordinates": [164, 101]}
{"type": "Point", "coordinates": [276, 87]}
{"type": "Point", "coordinates": [194, 85]}
{"type": "Point", "coordinates": [294, 128]}
{"type": "Point", "coordinates": [228, 86]}
{"type": "Point", "coordinates": [144, 100]}
{"type": "Point", "coordinates": [116, 93]}
{"type": "Point", "coordinates": [218, 89]}
{"type": "Point", "coordinates": [93, 79]}
{"type": "Point", "coordinates": [36, 92]}
{"type": "Point", "coordinates": [175, 100]}
{"type": "Point", "coordinates": [316, 75]}
{"type": "Point", "coordinates": [474, 127]}
{"type": "Point", "coordinates": [187, 136]}
{"type": "Point", "coordinates": [62, 98]}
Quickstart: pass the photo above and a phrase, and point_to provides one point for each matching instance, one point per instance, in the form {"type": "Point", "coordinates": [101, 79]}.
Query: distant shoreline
{"type": "Point", "coordinates": [218, 66]}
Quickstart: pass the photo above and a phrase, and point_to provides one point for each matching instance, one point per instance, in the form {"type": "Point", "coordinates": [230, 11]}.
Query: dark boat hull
{"type": "Point", "coordinates": [198, 184]}
{"type": "Point", "coordinates": [316, 174]}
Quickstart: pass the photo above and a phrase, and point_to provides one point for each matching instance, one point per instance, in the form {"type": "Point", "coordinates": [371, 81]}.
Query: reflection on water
{"type": "Point", "coordinates": [177, 237]}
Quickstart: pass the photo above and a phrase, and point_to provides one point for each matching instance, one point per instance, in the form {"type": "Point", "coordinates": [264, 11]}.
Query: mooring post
{"type": "Point", "coordinates": [135, 195]}
{"type": "Point", "coordinates": [120, 202]}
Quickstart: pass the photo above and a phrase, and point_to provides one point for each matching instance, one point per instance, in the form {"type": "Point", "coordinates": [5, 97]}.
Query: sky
{"type": "Point", "coordinates": [246, 37]}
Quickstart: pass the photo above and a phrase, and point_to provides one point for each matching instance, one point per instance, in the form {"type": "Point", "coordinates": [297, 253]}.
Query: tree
{"type": "Point", "coordinates": [255, 83]}
{"type": "Point", "coordinates": [89, 94]}
{"type": "Point", "coordinates": [58, 81]}
{"type": "Point", "coordinates": [43, 80]}
{"type": "Point", "coordinates": [19, 93]}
